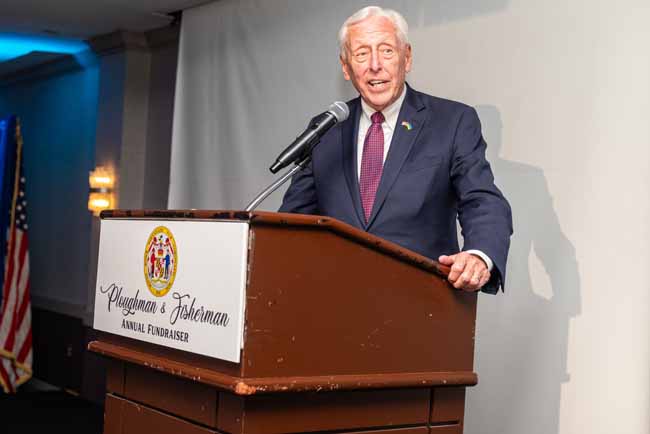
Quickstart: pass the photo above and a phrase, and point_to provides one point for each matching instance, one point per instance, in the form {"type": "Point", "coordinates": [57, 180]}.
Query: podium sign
{"type": "Point", "coordinates": [175, 283]}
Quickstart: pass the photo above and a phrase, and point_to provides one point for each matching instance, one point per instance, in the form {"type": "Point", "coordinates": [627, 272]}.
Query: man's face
{"type": "Point", "coordinates": [376, 61]}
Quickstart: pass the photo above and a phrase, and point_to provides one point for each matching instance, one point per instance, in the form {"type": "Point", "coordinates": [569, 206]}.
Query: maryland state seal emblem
{"type": "Point", "coordinates": [160, 261]}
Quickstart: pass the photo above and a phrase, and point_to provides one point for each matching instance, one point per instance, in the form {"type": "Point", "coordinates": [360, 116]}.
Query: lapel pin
{"type": "Point", "coordinates": [407, 125]}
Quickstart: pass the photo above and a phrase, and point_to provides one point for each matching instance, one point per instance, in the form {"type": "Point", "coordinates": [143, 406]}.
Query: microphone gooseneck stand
{"type": "Point", "coordinates": [300, 164]}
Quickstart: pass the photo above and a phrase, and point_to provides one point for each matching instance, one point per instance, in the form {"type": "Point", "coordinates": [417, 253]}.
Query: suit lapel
{"type": "Point", "coordinates": [413, 112]}
{"type": "Point", "coordinates": [349, 133]}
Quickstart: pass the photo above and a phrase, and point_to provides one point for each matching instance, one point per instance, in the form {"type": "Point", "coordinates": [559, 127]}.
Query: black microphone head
{"type": "Point", "coordinates": [340, 110]}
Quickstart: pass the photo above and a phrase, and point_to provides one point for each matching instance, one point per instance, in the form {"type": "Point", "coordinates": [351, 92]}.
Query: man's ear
{"type": "Point", "coordinates": [344, 67]}
{"type": "Point", "coordinates": [409, 57]}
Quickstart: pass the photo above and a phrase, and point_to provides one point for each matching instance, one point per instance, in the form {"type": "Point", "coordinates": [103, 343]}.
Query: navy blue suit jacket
{"type": "Point", "coordinates": [433, 173]}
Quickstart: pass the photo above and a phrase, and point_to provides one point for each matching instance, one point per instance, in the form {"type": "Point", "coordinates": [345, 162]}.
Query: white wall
{"type": "Point", "coordinates": [563, 91]}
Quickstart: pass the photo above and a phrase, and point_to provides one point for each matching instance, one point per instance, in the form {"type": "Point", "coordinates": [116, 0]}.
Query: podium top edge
{"type": "Point", "coordinates": [287, 220]}
{"type": "Point", "coordinates": [180, 214]}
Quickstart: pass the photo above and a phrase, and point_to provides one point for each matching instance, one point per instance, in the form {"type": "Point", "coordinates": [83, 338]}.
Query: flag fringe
{"type": "Point", "coordinates": [20, 381]}
{"type": "Point", "coordinates": [14, 360]}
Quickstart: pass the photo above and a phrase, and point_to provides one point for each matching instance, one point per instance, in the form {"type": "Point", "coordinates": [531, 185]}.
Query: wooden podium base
{"type": "Point", "coordinates": [143, 400]}
{"type": "Point", "coordinates": [158, 397]}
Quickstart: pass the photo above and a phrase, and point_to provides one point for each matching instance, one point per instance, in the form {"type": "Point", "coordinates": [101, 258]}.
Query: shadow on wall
{"type": "Point", "coordinates": [522, 335]}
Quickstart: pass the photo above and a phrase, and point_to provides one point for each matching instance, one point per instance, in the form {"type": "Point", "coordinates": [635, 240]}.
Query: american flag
{"type": "Point", "coordinates": [15, 308]}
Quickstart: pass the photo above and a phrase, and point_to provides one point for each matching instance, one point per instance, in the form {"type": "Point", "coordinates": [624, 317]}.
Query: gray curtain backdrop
{"type": "Point", "coordinates": [251, 75]}
{"type": "Point", "coordinates": [563, 93]}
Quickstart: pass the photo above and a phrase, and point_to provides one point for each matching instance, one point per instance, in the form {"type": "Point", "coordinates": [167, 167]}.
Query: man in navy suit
{"type": "Point", "coordinates": [405, 165]}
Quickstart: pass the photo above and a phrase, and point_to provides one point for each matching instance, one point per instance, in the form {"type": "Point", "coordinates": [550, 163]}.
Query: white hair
{"type": "Point", "coordinates": [401, 26]}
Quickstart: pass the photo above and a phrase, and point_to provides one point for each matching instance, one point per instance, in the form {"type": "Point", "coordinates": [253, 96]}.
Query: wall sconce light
{"type": "Point", "coordinates": [101, 181]}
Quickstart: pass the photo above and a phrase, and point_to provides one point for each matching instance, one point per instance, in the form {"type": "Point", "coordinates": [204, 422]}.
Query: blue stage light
{"type": "Point", "coordinates": [14, 45]}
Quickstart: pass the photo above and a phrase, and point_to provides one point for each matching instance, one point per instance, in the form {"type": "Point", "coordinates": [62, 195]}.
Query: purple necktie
{"type": "Point", "coordinates": [372, 162]}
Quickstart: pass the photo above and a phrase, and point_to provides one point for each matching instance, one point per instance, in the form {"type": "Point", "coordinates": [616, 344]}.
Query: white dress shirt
{"type": "Point", "coordinates": [388, 126]}
{"type": "Point", "coordinates": [391, 113]}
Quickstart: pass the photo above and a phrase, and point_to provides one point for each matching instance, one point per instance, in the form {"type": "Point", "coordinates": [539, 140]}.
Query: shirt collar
{"type": "Point", "coordinates": [390, 113]}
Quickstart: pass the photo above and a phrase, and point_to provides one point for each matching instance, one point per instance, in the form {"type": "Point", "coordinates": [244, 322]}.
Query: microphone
{"type": "Point", "coordinates": [305, 142]}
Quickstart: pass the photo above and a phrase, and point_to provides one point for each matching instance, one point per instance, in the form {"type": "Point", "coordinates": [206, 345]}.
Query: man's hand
{"type": "Point", "coordinates": [468, 272]}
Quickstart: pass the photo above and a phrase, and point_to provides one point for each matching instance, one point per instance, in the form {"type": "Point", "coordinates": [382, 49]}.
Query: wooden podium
{"type": "Point", "coordinates": [344, 333]}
